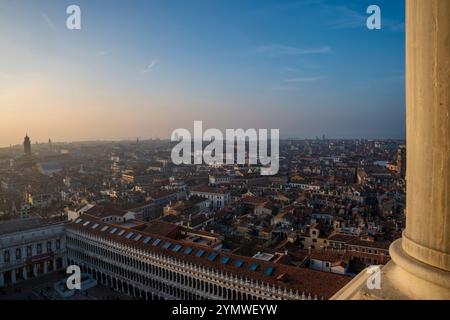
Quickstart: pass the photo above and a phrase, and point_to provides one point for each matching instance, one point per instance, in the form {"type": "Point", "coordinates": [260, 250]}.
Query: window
{"type": "Point", "coordinates": [49, 246]}
{"type": "Point", "coordinates": [176, 248]}
{"type": "Point", "coordinates": [200, 253]}
{"type": "Point", "coordinates": [129, 235]}
{"type": "Point", "coordinates": [238, 263]}
{"type": "Point", "coordinates": [147, 239]}
{"type": "Point", "coordinates": [29, 251]}
{"type": "Point", "coordinates": [58, 244]}
{"type": "Point", "coordinates": [213, 256]}
{"type": "Point", "coordinates": [6, 256]}
{"type": "Point", "coordinates": [225, 260]}
{"type": "Point", "coordinates": [39, 248]}
{"type": "Point", "coordinates": [254, 267]}
{"type": "Point", "coordinates": [18, 254]}
{"type": "Point", "coordinates": [269, 271]}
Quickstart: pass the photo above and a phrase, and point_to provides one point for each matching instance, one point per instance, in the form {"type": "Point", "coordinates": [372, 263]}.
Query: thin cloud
{"type": "Point", "coordinates": [283, 88]}
{"type": "Point", "coordinates": [150, 67]}
{"type": "Point", "coordinates": [275, 50]}
{"type": "Point", "coordinates": [304, 79]}
{"type": "Point", "coordinates": [48, 21]}
{"type": "Point", "coordinates": [286, 6]}
{"type": "Point", "coordinates": [101, 53]}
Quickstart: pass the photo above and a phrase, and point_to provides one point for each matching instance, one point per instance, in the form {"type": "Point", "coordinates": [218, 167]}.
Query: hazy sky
{"type": "Point", "coordinates": [145, 68]}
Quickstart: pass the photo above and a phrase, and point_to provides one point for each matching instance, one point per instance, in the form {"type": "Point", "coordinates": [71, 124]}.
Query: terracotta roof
{"type": "Point", "coordinates": [102, 211]}
{"type": "Point", "coordinates": [206, 189]}
{"type": "Point", "coordinates": [371, 244]}
{"type": "Point", "coordinates": [339, 237]}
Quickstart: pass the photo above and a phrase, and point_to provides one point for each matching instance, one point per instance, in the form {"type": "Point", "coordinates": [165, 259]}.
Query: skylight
{"type": "Point", "coordinates": [200, 253]}
{"type": "Point", "coordinates": [224, 260]}
{"type": "Point", "coordinates": [138, 237]}
{"type": "Point", "coordinates": [269, 271]}
{"type": "Point", "coordinates": [78, 221]}
{"type": "Point", "coordinates": [147, 239]}
{"type": "Point", "coordinates": [213, 256]}
{"type": "Point", "coordinates": [121, 232]}
{"type": "Point", "coordinates": [239, 263]}
{"type": "Point", "coordinates": [254, 266]}
{"type": "Point", "coordinates": [113, 230]}
{"type": "Point", "coordinates": [129, 235]}
{"type": "Point", "coordinates": [188, 250]}
{"type": "Point", "coordinates": [95, 226]}
{"type": "Point", "coordinates": [86, 223]}
{"type": "Point", "coordinates": [156, 242]}
{"type": "Point", "coordinates": [104, 228]}
{"type": "Point", "coordinates": [176, 248]}
{"type": "Point", "coordinates": [167, 245]}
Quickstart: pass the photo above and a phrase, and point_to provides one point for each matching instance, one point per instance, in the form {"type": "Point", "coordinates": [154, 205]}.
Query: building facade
{"type": "Point", "coordinates": [30, 248]}
{"type": "Point", "coordinates": [153, 267]}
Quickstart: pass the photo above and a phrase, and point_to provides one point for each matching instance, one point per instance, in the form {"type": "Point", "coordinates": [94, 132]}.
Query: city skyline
{"type": "Point", "coordinates": [305, 67]}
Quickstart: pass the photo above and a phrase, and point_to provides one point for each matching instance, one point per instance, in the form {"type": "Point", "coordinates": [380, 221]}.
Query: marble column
{"type": "Point", "coordinates": [420, 265]}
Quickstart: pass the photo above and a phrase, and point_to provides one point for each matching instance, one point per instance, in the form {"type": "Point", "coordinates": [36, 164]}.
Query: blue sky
{"type": "Point", "coordinates": [145, 68]}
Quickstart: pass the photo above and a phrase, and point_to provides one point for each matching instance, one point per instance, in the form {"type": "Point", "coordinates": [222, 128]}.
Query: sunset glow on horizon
{"type": "Point", "coordinates": [146, 68]}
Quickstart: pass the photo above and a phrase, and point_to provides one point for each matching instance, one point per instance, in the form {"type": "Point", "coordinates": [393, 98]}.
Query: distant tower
{"type": "Point", "coordinates": [27, 145]}
{"type": "Point", "coordinates": [50, 144]}
{"type": "Point", "coordinates": [401, 161]}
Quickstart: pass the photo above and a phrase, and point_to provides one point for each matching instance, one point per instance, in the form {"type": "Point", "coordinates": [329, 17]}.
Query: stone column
{"type": "Point", "coordinates": [420, 266]}
{"type": "Point", "coordinates": [13, 276]}
{"type": "Point", "coordinates": [425, 247]}
{"type": "Point", "coordinates": [427, 234]}
{"type": "Point", "coordinates": [35, 271]}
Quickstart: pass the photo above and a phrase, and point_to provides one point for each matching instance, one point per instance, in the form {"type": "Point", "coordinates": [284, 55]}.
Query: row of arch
{"type": "Point", "coordinates": [115, 269]}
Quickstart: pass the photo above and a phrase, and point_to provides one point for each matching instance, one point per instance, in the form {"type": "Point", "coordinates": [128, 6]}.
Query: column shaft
{"type": "Point", "coordinates": [427, 234]}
